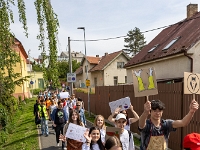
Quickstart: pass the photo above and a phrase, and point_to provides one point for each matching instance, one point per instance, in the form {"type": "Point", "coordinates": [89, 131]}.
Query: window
{"type": "Point", "coordinates": [153, 48]}
{"type": "Point", "coordinates": [85, 69]}
{"type": "Point", "coordinates": [120, 65]}
{"type": "Point", "coordinates": [95, 81]}
{"type": "Point", "coordinates": [171, 43]}
{"type": "Point", "coordinates": [115, 80]}
{"type": "Point", "coordinates": [125, 79]}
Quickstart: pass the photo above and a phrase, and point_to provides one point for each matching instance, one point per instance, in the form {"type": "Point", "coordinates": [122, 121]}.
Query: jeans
{"type": "Point", "coordinates": [44, 126]}
{"type": "Point", "coordinates": [59, 130]}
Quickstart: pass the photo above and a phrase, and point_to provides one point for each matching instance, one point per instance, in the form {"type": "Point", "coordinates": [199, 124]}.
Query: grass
{"type": "Point", "coordinates": [23, 133]}
{"type": "Point", "coordinates": [92, 117]}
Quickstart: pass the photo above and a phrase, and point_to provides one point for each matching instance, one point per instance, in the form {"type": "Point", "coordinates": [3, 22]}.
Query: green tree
{"type": "Point", "coordinates": [135, 42]}
{"type": "Point", "coordinates": [36, 67]}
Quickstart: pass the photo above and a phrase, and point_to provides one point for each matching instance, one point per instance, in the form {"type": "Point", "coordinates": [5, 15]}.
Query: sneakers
{"type": "Point", "coordinates": [65, 148]}
{"type": "Point", "coordinates": [58, 144]}
{"type": "Point", "coordinates": [46, 135]}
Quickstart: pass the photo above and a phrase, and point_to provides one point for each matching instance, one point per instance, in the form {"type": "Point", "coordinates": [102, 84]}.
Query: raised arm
{"type": "Point", "coordinates": [110, 118]}
{"type": "Point", "coordinates": [136, 117]}
{"type": "Point", "coordinates": [186, 120]}
{"type": "Point", "coordinates": [143, 117]}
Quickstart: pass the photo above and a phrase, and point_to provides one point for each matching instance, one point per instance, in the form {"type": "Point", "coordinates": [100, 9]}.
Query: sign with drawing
{"type": "Point", "coordinates": [191, 83]}
{"type": "Point", "coordinates": [144, 81]}
{"type": "Point", "coordinates": [112, 131]}
{"type": "Point", "coordinates": [124, 103]}
{"type": "Point", "coordinates": [64, 95]}
{"type": "Point", "coordinates": [76, 132]}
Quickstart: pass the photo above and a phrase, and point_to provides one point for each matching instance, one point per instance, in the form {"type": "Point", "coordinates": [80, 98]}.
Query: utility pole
{"type": "Point", "coordinates": [70, 65]}
{"type": "Point", "coordinates": [31, 85]}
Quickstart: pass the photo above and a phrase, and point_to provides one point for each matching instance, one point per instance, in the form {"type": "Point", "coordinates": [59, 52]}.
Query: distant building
{"type": "Point", "coordinates": [75, 56]}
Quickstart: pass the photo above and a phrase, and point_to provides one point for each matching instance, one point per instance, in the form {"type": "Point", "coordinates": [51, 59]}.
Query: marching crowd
{"type": "Point", "coordinates": [154, 131]}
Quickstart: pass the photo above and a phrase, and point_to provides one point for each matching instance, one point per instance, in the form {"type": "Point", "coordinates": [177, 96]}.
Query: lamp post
{"type": "Point", "coordinates": [83, 28]}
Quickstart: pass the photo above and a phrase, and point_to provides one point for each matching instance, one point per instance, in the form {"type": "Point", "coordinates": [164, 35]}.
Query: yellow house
{"type": "Point", "coordinates": [37, 80]}
{"type": "Point", "coordinates": [21, 67]}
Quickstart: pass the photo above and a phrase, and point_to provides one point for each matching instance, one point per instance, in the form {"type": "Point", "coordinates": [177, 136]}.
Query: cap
{"type": "Point", "coordinates": [192, 141]}
{"type": "Point", "coordinates": [120, 116]}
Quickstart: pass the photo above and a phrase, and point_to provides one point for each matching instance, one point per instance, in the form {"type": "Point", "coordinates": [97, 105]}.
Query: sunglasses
{"type": "Point", "coordinates": [78, 105]}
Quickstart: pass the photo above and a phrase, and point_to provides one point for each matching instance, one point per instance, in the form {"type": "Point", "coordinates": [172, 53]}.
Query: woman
{"type": "Point", "coordinates": [113, 143]}
{"type": "Point", "coordinates": [93, 140]}
{"type": "Point", "coordinates": [73, 118]}
{"type": "Point", "coordinates": [99, 122]}
{"type": "Point", "coordinates": [125, 112]}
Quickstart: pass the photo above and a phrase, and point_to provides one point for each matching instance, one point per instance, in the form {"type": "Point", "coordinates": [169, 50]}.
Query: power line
{"type": "Point", "coordinates": [105, 39]}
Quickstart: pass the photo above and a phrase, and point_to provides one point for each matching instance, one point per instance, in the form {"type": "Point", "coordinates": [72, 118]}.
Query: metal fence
{"type": "Point", "coordinates": [177, 106]}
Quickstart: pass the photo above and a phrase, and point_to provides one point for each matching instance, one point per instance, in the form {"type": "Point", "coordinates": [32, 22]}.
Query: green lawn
{"type": "Point", "coordinates": [92, 117]}
{"type": "Point", "coordinates": [23, 133]}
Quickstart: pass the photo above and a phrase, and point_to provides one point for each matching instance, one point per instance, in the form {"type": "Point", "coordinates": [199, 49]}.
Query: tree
{"type": "Point", "coordinates": [135, 42]}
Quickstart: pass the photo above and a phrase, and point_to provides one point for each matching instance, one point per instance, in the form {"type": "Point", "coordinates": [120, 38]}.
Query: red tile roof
{"type": "Point", "coordinates": [93, 60]}
{"type": "Point", "coordinates": [79, 70]}
{"type": "Point", "coordinates": [189, 32]}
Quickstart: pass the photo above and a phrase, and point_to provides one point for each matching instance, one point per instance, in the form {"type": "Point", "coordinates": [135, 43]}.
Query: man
{"type": "Point", "coordinates": [155, 131]}
{"type": "Point", "coordinates": [43, 116]}
{"type": "Point", "coordinates": [59, 118]}
{"type": "Point", "coordinates": [81, 112]}
{"type": "Point", "coordinates": [35, 111]}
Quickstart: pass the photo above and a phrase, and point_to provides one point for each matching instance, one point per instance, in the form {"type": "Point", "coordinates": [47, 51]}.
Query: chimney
{"type": "Point", "coordinates": [191, 10]}
{"type": "Point", "coordinates": [106, 54]}
{"type": "Point", "coordinates": [97, 55]}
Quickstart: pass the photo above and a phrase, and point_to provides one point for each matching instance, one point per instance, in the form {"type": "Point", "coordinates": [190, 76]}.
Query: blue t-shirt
{"type": "Point", "coordinates": [151, 130]}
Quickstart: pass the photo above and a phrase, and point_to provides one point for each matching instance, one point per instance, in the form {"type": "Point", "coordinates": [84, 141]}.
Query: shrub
{"type": "Point", "coordinates": [36, 91]}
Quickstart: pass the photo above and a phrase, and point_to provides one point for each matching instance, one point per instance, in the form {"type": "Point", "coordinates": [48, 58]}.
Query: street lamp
{"type": "Point", "coordinates": [83, 28]}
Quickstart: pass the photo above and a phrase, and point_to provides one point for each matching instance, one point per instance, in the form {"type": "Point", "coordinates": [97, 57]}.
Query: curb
{"type": "Point", "coordinates": [39, 141]}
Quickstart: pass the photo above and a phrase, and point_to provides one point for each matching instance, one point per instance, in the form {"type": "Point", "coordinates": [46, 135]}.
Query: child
{"type": "Point", "coordinates": [100, 123]}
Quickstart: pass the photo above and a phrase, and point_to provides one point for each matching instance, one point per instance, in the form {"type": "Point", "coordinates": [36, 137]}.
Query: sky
{"type": "Point", "coordinates": [102, 19]}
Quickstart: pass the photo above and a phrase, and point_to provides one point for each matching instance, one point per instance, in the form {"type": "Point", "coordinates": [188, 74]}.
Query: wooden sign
{"type": "Point", "coordinates": [191, 83]}
{"type": "Point", "coordinates": [112, 131]}
{"type": "Point", "coordinates": [144, 82]}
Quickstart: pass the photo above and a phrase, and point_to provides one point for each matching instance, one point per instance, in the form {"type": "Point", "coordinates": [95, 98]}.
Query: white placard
{"type": "Point", "coordinates": [124, 103]}
{"type": "Point", "coordinates": [64, 95]}
{"type": "Point", "coordinates": [76, 132]}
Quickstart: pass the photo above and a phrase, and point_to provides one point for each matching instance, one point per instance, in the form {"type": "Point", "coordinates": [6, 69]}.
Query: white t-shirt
{"type": "Point", "coordinates": [52, 107]}
{"type": "Point", "coordinates": [126, 143]}
{"type": "Point", "coordinates": [103, 134]}
{"type": "Point", "coordinates": [128, 127]}
{"type": "Point", "coordinates": [94, 147]}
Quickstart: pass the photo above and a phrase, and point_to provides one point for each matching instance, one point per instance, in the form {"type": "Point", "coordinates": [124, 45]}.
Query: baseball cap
{"type": "Point", "coordinates": [192, 141]}
{"type": "Point", "coordinates": [120, 116]}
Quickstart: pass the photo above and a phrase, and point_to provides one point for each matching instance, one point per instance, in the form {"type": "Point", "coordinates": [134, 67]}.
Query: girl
{"type": "Point", "coordinates": [100, 123]}
{"type": "Point", "coordinates": [93, 140]}
{"type": "Point", "coordinates": [73, 118]}
{"type": "Point", "coordinates": [113, 143]}
{"type": "Point", "coordinates": [125, 112]}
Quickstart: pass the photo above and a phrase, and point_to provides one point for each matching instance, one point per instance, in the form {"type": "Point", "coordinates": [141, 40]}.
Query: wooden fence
{"type": "Point", "coordinates": [177, 106]}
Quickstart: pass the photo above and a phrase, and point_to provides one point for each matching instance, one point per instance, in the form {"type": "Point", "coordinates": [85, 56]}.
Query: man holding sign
{"type": "Point", "coordinates": [155, 131]}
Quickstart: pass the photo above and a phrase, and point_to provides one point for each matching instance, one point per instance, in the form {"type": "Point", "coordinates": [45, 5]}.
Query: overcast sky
{"type": "Point", "coordinates": [101, 19]}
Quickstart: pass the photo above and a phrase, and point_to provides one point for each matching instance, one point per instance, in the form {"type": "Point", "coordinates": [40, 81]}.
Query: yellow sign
{"type": "Point", "coordinates": [87, 82]}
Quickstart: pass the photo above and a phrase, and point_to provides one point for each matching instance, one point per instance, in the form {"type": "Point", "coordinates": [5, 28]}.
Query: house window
{"type": "Point", "coordinates": [171, 43]}
{"type": "Point", "coordinates": [95, 81]}
{"type": "Point", "coordinates": [125, 79]}
{"type": "Point", "coordinates": [153, 48]}
{"type": "Point", "coordinates": [120, 65]}
{"type": "Point", "coordinates": [85, 69]}
{"type": "Point", "coordinates": [115, 80]}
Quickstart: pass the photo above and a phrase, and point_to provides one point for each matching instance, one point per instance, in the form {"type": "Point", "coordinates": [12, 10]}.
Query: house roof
{"type": "Point", "coordinates": [107, 59]}
{"type": "Point", "coordinates": [19, 44]}
{"type": "Point", "coordinates": [79, 70]}
{"type": "Point", "coordinates": [93, 60]}
{"type": "Point", "coordinates": [187, 33]}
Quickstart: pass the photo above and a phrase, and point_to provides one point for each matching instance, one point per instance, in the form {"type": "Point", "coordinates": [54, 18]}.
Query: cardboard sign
{"type": "Point", "coordinates": [64, 95]}
{"type": "Point", "coordinates": [112, 131]}
{"type": "Point", "coordinates": [144, 81]}
{"type": "Point", "coordinates": [191, 83]}
{"type": "Point", "coordinates": [76, 132]}
{"type": "Point", "coordinates": [124, 103]}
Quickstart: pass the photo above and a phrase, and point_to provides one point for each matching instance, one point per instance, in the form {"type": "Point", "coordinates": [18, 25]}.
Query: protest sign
{"type": "Point", "coordinates": [64, 95]}
{"type": "Point", "coordinates": [112, 131]}
{"type": "Point", "coordinates": [191, 83]}
{"type": "Point", "coordinates": [123, 103]}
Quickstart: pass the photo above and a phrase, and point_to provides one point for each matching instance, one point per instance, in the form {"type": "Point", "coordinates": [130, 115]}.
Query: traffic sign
{"type": "Point", "coordinates": [71, 77]}
{"type": "Point", "coordinates": [87, 82]}
{"type": "Point", "coordinates": [31, 82]}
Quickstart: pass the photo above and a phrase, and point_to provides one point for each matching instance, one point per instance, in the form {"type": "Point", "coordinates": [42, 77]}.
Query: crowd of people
{"type": "Point", "coordinates": [154, 131]}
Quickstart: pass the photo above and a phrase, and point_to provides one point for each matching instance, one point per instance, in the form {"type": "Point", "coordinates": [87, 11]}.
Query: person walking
{"type": "Point", "coordinates": [81, 112]}
{"type": "Point", "coordinates": [59, 119]}
{"type": "Point", "coordinates": [155, 131]}
{"type": "Point", "coordinates": [35, 112]}
{"type": "Point", "coordinates": [43, 116]}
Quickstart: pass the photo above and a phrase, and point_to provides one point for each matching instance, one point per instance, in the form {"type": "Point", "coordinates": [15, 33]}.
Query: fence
{"type": "Point", "coordinates": [177, 106]}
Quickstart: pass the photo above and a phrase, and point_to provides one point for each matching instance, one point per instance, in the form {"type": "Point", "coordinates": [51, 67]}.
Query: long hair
{"type": "Point", "coordinates": [112, 141]}
{"type": "Point", "coordinates": [70, 116]}
{"type": "Point", "coordinates": [127, 118]}
{"type": "Point", "coordinates": [99, 142]}
{"type": "Point", "coordinates": [95, 122]}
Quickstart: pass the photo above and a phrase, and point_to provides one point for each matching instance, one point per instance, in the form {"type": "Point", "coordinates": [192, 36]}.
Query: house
{"type": "Point", "coordinates": [21, 67]}
{"type": "Point", "coordinates": [75, 56]}
{"type": "Point", "coordinates": [173, 51]}
{"type": "Point", "coordinates": [103, 71]}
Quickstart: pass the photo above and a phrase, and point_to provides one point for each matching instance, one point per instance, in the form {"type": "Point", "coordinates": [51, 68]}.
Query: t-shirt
{"type": "Point", "coordinates": [128, 127]}
{"type": "Point", "coordinates": [94, 147]}
{"type": "Point", "coordinates": [103, 134]}
{"type": "Point", "coordinates": [52, 107]}
{"type": "Point", "coordinates": [42, 110]}
{"type": "Point", "coordinates": [59, 116]}
{"type": "Point", "coordinates": [164, 129]}
{"type": "Point", "coordinates": [127, 141]}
